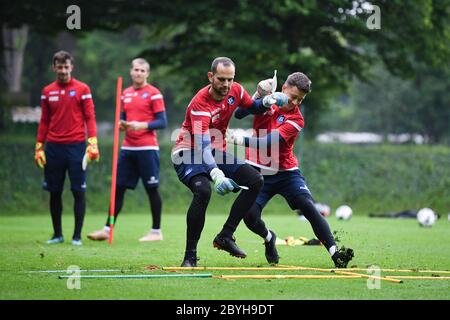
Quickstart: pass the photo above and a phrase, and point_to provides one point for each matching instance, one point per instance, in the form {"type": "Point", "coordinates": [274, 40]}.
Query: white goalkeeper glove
{"type": "Point", "coordinates": [278, 98]}
{"type": "Point", "coordinates": [222, 184]}
{"type": "Point", "coordinates": [263, 89]}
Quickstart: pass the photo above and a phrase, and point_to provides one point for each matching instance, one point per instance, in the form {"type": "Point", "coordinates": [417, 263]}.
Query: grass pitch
{"type": "Point", "coordinates": [387, 243]}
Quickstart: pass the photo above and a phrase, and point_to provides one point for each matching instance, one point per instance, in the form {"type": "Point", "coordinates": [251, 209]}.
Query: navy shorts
{"type": "Point", "coordinates": [61, 158]}
{"type": "Point", "coordinates": [135, 164]}
{"type": "Point", "coordinates": [185, 164]}
{"type": "Point", "coordinates": [288, 184]}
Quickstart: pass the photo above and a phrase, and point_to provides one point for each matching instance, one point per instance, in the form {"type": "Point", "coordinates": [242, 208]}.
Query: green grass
{"type": "Point", "coordinates": [388, 243]}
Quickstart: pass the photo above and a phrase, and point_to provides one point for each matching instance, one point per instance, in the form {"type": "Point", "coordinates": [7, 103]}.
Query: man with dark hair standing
{"type": "Point", "coordinates": [143, 113]}
{"type": "Point", "coordinates": [200, 156]}
{"type": "Point", "coordinates": [67, 111]}
{"type": "Point", "coordinates": [280, 126]}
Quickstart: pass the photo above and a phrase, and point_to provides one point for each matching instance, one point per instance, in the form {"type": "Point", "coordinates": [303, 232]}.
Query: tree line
{"type": "Point", "coordinates": [328, 40]}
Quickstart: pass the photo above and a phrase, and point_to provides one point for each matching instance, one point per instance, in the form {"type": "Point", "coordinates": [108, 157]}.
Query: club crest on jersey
{"type": "Point", "coordinates": [231, 100]}
{"type": "Point", "coordinates": [280, 119]}
{"type": "Point", "coordinates": [72, 93]}
{"type": "Point", "coordinates": [144, 95]}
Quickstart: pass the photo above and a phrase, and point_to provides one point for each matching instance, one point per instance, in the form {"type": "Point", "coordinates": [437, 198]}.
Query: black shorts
{"type": "Point", "coordinates": [188, 165]}
{"type": "Point", "coordinates": [288, 184]}
{"type": "Point", "coordinates": [61, 158]}
{"type": "Point", "coordinates": [135, 164]}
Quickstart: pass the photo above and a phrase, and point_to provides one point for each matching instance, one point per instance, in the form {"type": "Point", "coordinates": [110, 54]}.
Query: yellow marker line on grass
{"type": "Point", "coordinates": [362, 275]}
{"type": "Point", "coordinates": [420, 277]}
{"type": "Point", "coordinates": [234, 268]}
{"type": "Point", "coordinates": [365, 269]}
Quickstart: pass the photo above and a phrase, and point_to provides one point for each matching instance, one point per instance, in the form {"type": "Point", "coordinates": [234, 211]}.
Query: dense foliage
{"type": "Point", "coordinates": [369, 178]}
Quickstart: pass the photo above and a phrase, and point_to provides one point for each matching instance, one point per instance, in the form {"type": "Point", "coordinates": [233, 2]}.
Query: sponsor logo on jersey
{"type": "Point", "coordinates": [280, 119]}
{"type": "Point", "coordinates": [72, 93]}
{"type": "Point", "coordinates": [53, 98]}
{"type": "Point", "coordinates": [127, 100]}
{"type": "Point", "coordinates": [144, 95]}
{"type": "Point", "coordinates": [230, 100]}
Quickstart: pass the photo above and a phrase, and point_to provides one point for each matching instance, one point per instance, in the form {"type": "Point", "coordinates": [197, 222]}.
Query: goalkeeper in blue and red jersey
{"type": "Point", "coordinates": [271, 150]}
{"type": "Point", "coordinates": [200, 156]}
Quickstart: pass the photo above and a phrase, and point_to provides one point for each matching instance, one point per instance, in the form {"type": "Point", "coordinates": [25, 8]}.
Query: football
{"type": "Point", "coordinates": [344, 212]}
{"type": "Point", "coordinates": [426, 217]}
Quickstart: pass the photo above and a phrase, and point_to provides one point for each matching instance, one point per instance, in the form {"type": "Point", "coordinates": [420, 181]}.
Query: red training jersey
{"type": "Point", "coordinates": [204, 115]}
{"type": "Point", "coordinates": [141, 105]}
{"type": "Point", "coordinates": [67, 111]}
{"type": "Point", "coordinates": [288, 124]}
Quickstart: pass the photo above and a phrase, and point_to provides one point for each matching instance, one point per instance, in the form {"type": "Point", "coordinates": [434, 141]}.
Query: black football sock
{"type": "Point", "coordinates": [155, 205]}
{"type": "Point", "coordinates": [319, 224]}
{"type": "Point", "coordinates": [248, 176]}
{"type": "Point", "coordinates": [56, 212]}
{"type": "Point", "coordinates": [79, 210]}
{"type": "Point", "coordinates": [254, 222]}
{"type": "Point", "coordinates": [195, 219]}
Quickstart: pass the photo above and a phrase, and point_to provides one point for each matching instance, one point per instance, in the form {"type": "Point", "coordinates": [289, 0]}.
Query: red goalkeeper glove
{"type": "Point", "coordinates": [39, 155]}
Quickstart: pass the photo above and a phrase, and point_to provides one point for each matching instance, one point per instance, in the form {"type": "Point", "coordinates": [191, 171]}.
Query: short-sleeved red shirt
{"type": "Point", "coordinates": [288, 124]}
{"type": "Point", "coordinates": [141, 105]}
{"type": "Point", "coordinates": [204, 115]}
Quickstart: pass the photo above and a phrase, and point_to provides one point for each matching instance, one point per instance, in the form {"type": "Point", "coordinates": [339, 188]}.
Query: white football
{"type": "Point", "coordinates": [426, 217]}
{"type": "Point", "coordinates": [344, 212]}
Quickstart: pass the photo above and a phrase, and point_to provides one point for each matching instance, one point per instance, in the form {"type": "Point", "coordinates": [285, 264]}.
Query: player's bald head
{"type": "Point", "coordinates": [221, 60]}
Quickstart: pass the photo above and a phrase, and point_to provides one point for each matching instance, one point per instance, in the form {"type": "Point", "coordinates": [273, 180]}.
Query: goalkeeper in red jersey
{"type": "Point", "coordinates": [279, 127]}
{"type": "Point", "coordinates": [67, 113]}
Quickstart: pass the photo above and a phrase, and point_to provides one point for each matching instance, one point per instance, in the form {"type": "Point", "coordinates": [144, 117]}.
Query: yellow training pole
{"type": "Point", "coordinates": [341, 271]}
{"type": "Point", "coordinates": [234, 268]}
{"type": "Point", "coordinates": [420, 277]}
{"type": "Point", "coordinates": [362, 275]}
{"type": "Point", "coordinates": [381, 269]}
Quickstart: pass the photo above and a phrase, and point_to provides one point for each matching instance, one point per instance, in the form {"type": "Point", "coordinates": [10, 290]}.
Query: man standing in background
{"type": "Point", "coordinates": [67, 111]}
{"type": "Point", "coordinates": [143, 112]}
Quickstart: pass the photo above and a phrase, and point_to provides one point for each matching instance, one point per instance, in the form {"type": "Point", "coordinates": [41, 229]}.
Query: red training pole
{"type": "Point", "coordinates": [112, 203]}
